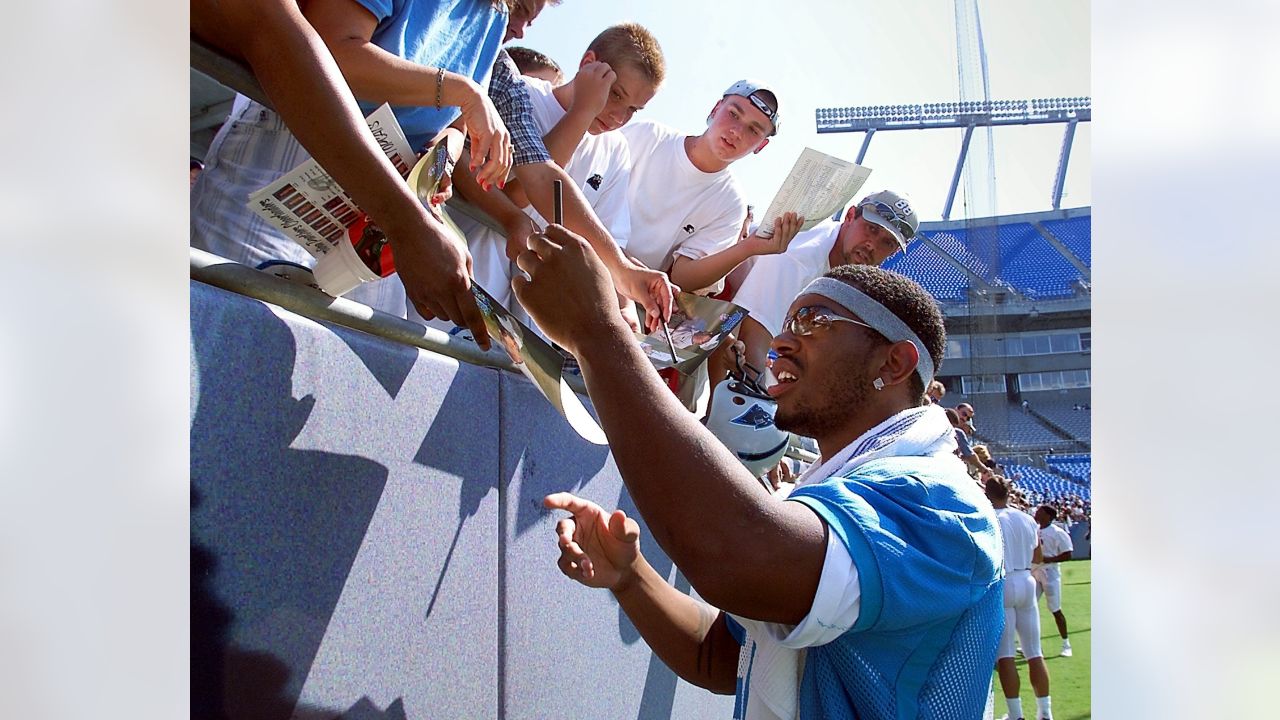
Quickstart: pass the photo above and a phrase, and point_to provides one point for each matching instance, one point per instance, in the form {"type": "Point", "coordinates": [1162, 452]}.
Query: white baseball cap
{"type": "Point", "coordinates": [748, 89]}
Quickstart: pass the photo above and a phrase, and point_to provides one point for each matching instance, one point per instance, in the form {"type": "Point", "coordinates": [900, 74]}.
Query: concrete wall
{"type": "Point", "coordinates": [368, 540]}
{"type": "Point", "coordinates": [1081, 548]}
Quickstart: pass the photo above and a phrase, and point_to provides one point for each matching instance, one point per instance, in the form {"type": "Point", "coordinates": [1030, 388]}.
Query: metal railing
{"type": "Point", "coordinates": [316, 305]}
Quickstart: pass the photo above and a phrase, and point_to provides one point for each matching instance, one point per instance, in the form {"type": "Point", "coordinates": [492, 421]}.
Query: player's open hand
{"type": "Point", "coordinates": [597, 548]}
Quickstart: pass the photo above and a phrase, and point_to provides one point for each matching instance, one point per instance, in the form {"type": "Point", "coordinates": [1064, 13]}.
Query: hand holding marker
{"type": "Point", "coordinates": [557, 195]}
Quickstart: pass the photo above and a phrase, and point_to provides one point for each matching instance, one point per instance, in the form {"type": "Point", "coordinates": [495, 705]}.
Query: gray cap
{"type": "Point", "coordinates": [748, 89]}
{"type": "Point", "coordinates": [892, 212]}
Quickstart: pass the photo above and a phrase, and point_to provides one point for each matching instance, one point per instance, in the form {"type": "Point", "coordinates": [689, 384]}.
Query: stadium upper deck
{"type": "Point", "coordinates": [1016, 292]}
{"type": "Point", "coordinates": [1036, 256]}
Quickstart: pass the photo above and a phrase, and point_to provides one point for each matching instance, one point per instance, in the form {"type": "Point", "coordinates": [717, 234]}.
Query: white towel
{"type": "Point", "coordinates": [774, 669]}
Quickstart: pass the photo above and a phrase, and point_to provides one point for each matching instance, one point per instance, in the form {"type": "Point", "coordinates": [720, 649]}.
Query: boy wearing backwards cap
{"type": "Point", "coordinates": [686, 207]}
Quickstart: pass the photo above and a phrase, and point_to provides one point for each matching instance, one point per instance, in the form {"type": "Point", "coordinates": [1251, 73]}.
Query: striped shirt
{"type": "Point", "coordinates": [511, 98]}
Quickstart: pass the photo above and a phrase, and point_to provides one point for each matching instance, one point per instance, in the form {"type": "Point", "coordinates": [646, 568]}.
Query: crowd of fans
{"type": "Point", "coordinates": [660, 207]}
{"type": "Point", "coordinates": [1070, 507]}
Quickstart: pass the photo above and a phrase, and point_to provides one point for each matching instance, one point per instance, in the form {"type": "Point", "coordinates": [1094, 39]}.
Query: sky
{"type": "Point", "coordinates": [820, 53]}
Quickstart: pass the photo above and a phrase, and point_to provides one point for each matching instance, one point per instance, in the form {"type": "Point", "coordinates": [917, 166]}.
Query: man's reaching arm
{"type": "Point", "coordinates": [745, 552]}
{"type": "Point", "coordinates": [299, 75]}
{"type": "Point", "coordinates": [975, 462]}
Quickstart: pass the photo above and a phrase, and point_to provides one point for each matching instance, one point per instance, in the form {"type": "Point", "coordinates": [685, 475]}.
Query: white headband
{"type": "Point", "coordinates": [876, 315]}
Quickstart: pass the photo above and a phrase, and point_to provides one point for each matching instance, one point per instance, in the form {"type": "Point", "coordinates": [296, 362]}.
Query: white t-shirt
{"type": "Point", "coordinates": [1019, 535]}
{"type": "Point", "coordinates": [773, 657]}
{"type": "Point", "coordinates": [676, 209]}
{"type": "Point", "coordinates": [773, 281]}
{"type": "Point", "coordinates": [601, 165]}
{"type": "Point", "coordinates": [1054, 541]}
{"type": "Point", "coordinates": [836, 605]}
{"type": "Point", "coordinates": [601, 168]}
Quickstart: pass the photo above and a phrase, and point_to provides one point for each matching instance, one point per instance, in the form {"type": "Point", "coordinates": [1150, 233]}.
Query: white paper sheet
{"type": "Point", "coordinates": [817, 186]}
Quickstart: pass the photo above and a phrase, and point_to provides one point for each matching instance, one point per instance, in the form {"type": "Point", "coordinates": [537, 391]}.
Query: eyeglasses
{"type": "Point", "coordinates": [812, 317]}
{"type": "Point", "coordinates": [890, 214]}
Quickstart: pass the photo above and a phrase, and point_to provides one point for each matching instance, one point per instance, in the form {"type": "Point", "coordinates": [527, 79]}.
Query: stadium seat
{"type": "Point", "coordinates": [926, 266]}
{"type": "Point", "coordinates": [1012, 254]}
{"type": "Point", "coordinates": [1076, 234]}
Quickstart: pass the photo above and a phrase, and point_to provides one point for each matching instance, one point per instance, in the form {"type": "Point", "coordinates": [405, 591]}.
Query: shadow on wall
{"type": "Point", "coordinates": [262, 680]}
{"type": "Point", "coordinates": [660, 681]}
{"type": "Point", "coordinates": [551, 457]}
{"type": "Point", "coordinates": [279, 555]}
{"type": "Point", "coordinates": [453, 444]}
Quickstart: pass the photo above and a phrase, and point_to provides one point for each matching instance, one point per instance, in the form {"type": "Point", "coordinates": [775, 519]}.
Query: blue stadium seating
{"type": "Point", "coordinates": [1033, 265]}
{"type": "Point", "coordinates": [1076, 467]}
{"type": "Point", "coordinates": [1076, 234]}
{"type": "Point", "coordinates": [926, 266]}
{"type": "Point", "coordinates": [1012, 254]}
{"type": "Point", "coordinates": [1041, 485]}
{"type": "Point", "coordinates": [954, 243]}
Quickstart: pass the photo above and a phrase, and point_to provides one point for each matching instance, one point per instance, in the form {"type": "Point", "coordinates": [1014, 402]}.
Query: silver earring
{"type": "Point", "coordinates": [878, 384]}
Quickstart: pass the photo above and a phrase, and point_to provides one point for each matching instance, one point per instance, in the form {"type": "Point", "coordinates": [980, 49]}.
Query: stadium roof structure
{"type": "Point", "coordinates": [967, 116]}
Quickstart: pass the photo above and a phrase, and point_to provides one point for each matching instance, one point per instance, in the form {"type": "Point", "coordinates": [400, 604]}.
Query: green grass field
{"type": "Point", "coordinates": [1068, 677]}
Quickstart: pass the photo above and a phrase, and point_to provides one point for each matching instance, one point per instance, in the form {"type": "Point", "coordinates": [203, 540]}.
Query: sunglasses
{"type": "Point", "coordinates": [890, 214]}
{"type": "Point", "coordinates": [812, 317]}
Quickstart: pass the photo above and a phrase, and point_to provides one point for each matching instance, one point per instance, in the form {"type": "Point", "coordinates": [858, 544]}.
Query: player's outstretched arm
{"type": "Point", "coordinates": [601, 549]}
{"type": "Point", "coordinates": [744, 551]}
{"type": "Point", "coordinates": [299, 75]}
